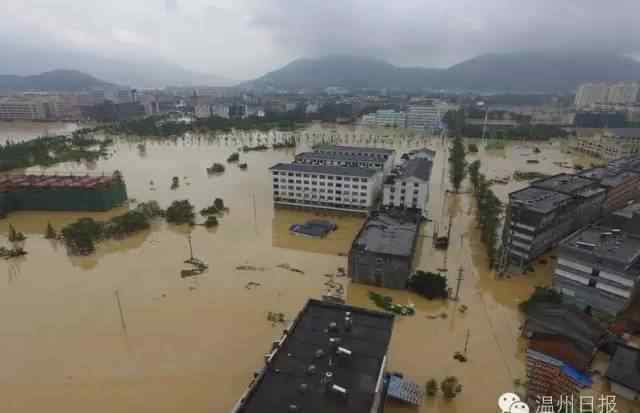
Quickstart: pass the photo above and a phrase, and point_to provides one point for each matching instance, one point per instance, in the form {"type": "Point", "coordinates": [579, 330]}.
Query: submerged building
{"type": "Point", "coordinates": [407, 186]}
{"type": "Point", "coordinates": [382, 253]}
{"type": "Point", "coordinates": [331, 359]}
{"type": "Point", "coordinates": [540, 216]}
{"type": "Point", "coordinates": [61, 192]}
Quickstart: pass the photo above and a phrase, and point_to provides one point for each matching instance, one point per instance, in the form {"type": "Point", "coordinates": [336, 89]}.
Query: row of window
{"type": "Point", "coordinates": [314, 176]}
{"type": "Point", "coordinates": [367, 154]}
{"type": "Point", "coordinates": [321, 190]}
{"type": "Point", "coordinates": [402, 191]}
{"type": "Point", "coordinates": [340, 163]}
{"type": "Point", "coordinates": [322, 183]}
{"type": "Point", "coordinates": [322, 203]}
{"type": "Point", "coordinates": [414, 201]}
{"type": "Point", "coordinates": [285, 196]}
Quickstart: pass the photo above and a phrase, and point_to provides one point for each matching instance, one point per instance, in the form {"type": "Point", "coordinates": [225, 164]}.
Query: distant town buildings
{"type": "Point", "coordinates": [597, 93]}
{"type": "Point", "coordinates": [382, 253]}
{"type": "Point", "coordinates": [424, 117]}
{"type": "Point", "coordinates": [29, 108]}
{"type": "Point", "coordinates": [610, 143]}
{"type": "Point", "coordinates": [332, 358]}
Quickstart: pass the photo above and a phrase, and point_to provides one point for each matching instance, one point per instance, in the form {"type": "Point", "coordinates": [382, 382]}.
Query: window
{"type": "Point", "coordinates": [298, 175]}
{"type": "Point", "coordinates": [415, 192]}
{"type": "Point", "coordinates": [363, 187]}
{"type": "Point", "coordinates": [338, 185]}
{"type": "Point", "coordinates": [416, 184]}
{"type": "Point", "coordinates": [322, 183]}
{"type": "Point", "coordinates": [330, 184]}
{"type": "Point", "coordinates": [338, 178]}
{"type": "Point", "coordinates": [363, 194]}
{"type": "Point", "coordinates": [290, 181]}
{"type": "Point", "coordinates": [363, 201]}
{"type": "Point", "coordinates": [330, 178]}
{"type": "Point", "coordinates": [363, 179]}
{"type": "Point", "coordinates": [330, 191]}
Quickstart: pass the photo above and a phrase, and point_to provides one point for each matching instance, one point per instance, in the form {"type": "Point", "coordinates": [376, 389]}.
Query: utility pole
{"type": "Point", "coordinates": [122, 322]}
{"type": "Point", "coordinates": [466, 342]}
{"type": "Point", "coordinates": [190, 247]}
{"type": "Point", "coordinates": [460, 278]}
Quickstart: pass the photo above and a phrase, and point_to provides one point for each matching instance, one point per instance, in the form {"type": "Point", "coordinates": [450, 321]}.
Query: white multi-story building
{"type": "Point", "coordinates": [19, 108]}
{"type": "Point", "coordinates": [391, 118]}
{"type": "Point", "coordinates": [623, 93]}
{"type": "Point", "coordinates": [591, 93]}
{"type": "Point", "coordinates": [424, 117]}
{"type": "Point", "coordinates": [346, 159]}
{"type": "Point", "coordinates": [325, 187]}
{"type": "Point", "coordinates": [370, 153]}
{"type": "Point", "coordinates": [408, 185]}
{"type": "Point", "coordinates": [611, 143]}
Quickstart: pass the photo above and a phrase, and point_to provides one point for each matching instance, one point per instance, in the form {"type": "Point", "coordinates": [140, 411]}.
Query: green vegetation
{"type": "Point", "coordinates": [216, 168]}
{"type": "Point", "coordinates": [50, 232]}
{"type": "Point", "coordinates": [180, 212]}
{"type": "Point", "coordinates": [431, 388]}
{"type": "Point", "coordinates": [15, 236]}
{"type": "Point", "coordinates": [472, 148]}
{"type": "Point", "coordinates": [450, 387]}
{"type": "Point", "coordinates": [289, 142]}
{"type": "Point", "coordinates": [386, 303]}
{"type": "Point", "coordinates": [457, 164]}
{"type": "Point", "coordinates": [429, 284]}
{"type": "Point", "coordinates": [529, 176]}
{"type": "Point", "coordinates": [175, 182]}
{"type": "Point", "coordinates": [234, 157]}
{"type": "Point", "coordinates": [81, 236]}
{"type": "Point", "coordinates": [218, 203]}
{"type": "Point", "coordinates": [164, 127]}
{"type": "Point", "coordinates": [47, 151]}
{"type": "Point", "coordinates": [211, 221]}
{"type": "Point", "coordinates": [489, 209]}
{"type": "Point", "coordinates": [541, 295]}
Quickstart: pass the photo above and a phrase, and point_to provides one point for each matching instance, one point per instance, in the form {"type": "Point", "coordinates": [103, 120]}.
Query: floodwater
{"type": "Point", "coordinates": [193, 344]}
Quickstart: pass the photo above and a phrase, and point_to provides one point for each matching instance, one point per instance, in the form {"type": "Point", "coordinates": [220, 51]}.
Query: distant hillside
{"type": "Point", "coordinates": [512, 72]}
{"type": "Point", "coordinates": [57, 80]}
{"type": "Point", "coordinates": [142, 72]}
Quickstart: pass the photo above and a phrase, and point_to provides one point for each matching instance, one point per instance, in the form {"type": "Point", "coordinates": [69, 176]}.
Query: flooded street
{"type": "Point", "coordinates": [193, 344]}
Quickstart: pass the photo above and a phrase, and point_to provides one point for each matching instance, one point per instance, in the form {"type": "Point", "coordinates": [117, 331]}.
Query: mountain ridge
{"type": "Point", "coordinates": [60, 80]}
{"type": "Point", "coordinates": [499, 72]}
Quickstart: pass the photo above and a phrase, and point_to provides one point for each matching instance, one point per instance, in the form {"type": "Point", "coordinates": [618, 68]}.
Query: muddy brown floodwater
{"type": "Point", "coordinates": [193, 344]}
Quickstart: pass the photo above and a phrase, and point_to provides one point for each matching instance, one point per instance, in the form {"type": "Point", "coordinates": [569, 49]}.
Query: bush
{"type": "Point", "coordinates": [472, 148]}
{"type": "Point", "coordinates": [431, 388]}
{"type": "Point", "coordinates": [219, 203]}
{"type": "Point", "coordinates": [234, 157]}
{"type": "Point", "coordinates": [450, 387]}
{"type": "Point", "coordinates": [180, 212]}
{"type": "Point", "coordinates": [429, 284]}
{"type": "Point", "coordinates": [211, 221]}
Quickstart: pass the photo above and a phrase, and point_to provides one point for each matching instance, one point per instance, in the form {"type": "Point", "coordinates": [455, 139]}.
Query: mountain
{"type": "Point", "coordinates": [140, 72]}
{"type": "Point", "coordinates": [58, 80]}
{"type": "Point", "coordinates": [509, 72]}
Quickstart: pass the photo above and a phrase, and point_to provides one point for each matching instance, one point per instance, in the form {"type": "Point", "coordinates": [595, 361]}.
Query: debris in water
{"type": "Point", "coordinates": [289, 268]}
{"type": "Point", "coordinates": [251, 284]}
{"type": "Point", "coordinates": [386, 303]}
{"type": "Point", "coordinates": [8, 253]}
{"type": "Point", "coordinates": [199, 265]}
{"type": "Point", "coordinates": [460, 357]}
{"type": "Point", "coordinates": [463, 309]}
{"type": "Point", "coordinates": [175, 182]}
{"type": "Point", "coordinates": [276, 317]}
{"type": "Point", "coordinates": [249, 268]}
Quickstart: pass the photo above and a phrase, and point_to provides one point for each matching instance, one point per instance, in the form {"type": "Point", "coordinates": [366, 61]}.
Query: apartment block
{"type": "Point", "coordinates": [598, 268]}
{"type": "Point", "coordinates": [611, 143]}
{"type": "Point", "coordinates": [424, 117]}
{"type": "Point", "coordinates": [407, 186]}
{"type": "Point", "coordinates": [325, 187]}
{"type": "Point", "coordinates": [541, 215]}
{"type": "Point", "coordinates": [591, 93]}
{"type": "Point", "coordinates": [346, 159]}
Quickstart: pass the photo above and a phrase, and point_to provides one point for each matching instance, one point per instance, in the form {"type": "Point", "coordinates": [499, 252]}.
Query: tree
{"type": "Point", "coordinates": [474, 174]}
{"type": "Point", "coordinates": [50, 233]}
{"type": "Point", "coordinates": [489, 210]}
{"type": "Point", "coordinates": [457, 164]}
{"type": "Point", "coordinates": [431, 387]}
{"type": "Point", "coordinates": [450, 387]}
{"type": "Point", "coordinates": [429, 284]}
{"type": "Point", "coordinates": [15, 236]}
{"type": "Point", "coordinates": [218, 203]}
{"type": "Point", "coordinates": [180, 212]}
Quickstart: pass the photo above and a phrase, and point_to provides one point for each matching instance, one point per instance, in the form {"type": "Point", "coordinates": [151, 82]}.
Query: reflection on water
{"type": "Point", "coordinates": [193, 344]}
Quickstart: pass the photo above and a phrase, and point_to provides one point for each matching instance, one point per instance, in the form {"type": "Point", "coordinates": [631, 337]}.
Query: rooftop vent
{"type": "Point", "coordinates": [585, 245]}
{"type": "Point", "coordinates": [333, 326]}
{"type": "Point", "coordinates": [303, 388]}
{"type": "Point", "coordinates": [294, 408]}
{"type": "Point", "coordinates": [344, 352]}
{"type": "Point", "coordinates": [319, 353]}
{"type": "Point", "coordinates": [339, 390]}
{"type": "Point", "coordinates": [311, 370]}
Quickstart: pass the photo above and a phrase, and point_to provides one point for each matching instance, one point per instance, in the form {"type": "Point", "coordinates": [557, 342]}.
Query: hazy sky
{"type": "Point", "coordinates": [241, 39]}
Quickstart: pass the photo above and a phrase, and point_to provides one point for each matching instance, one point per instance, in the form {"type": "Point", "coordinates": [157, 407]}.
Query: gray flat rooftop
{"type": "Point", "coordinates": [383, 234]}
{"type": "Point", "coordinates": [362, 149]}
{"type": "Point", "coordinates": [539, 200]}
{"type": "Point", "coordinates": [605, 242]}
{"type": "Point", "coordinates": [565, 183]}
{"type": "Point", "coordinates": [628, 211]}
{"type": "Point", "coordinates": [630, 163]}
{"type": "Point", "coordinates": [622, 132]}
{"type": "Point", "coordinates": [417, 168]}
{"type": "Point", "coordinates": [624, 367]}
{"type": "Point", "coordinates": [609, 177]}
{"type": "Point", "coordinates": [340, 156]}
{"type": "Point", "coordinates": [321, 169]}
{"type": "Point", "coordinates": [287, 379]}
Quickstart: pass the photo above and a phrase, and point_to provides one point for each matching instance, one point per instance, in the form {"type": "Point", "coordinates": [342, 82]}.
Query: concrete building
{"type": "Point", "coordinates": [598, 268]}
{"type": "Point", "coordinates": [623, 93]}
{"type": "Point", "coordinates": [623, 372]}
{"type": "Point", "coordinates": [325, 187]}
{"type": "Point", "coordinates": [368, 152]}
{"type": "Point", "coordinates": [407, 186]}
{"type": "Point", "coordinates": [622, 185]}
{"type": "Point", "coordinates": [391, 118]}
{"type": "Point", "coordinates": [611, 143]}
{"type": "Point", "coordinates": [540, 216]}
{"type": "Point", "coordinates": [382, 253]}
{"type": "Point", "coordinates": [591, 93]}
{"type": "Point", "coordinates": [355, 160]}
{"type": "Point", "coordinates": [20, 108]}
{"type": "Point", "coordinates": [332, 359]}
{"type": "Point", "coordinates": [424, 118]}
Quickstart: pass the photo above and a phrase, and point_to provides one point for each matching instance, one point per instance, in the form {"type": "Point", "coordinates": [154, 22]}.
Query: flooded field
{"type": "Point", "coordinates": [193, 344]}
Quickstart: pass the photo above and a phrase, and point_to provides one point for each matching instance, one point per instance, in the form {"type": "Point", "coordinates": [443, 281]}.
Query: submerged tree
{"type": "Point", "coordinates": [15, 236]}
{"type": "Point", "coordinates": [50, 232]}
{"type": "Point", "coordinates": [457, 164]}
{"type": "Point", "coordinates": [429, 284]}
{"type": "Point", "coordinates": [474, 174]}
{"type": "Point", "coordinates": [180, 212]}
{"type": "Point", "coordinates": [431, 387]}
{"type": "Point", "coordinates": [450, 387]}
{"type": "Point", "coordinates": [219, 203]}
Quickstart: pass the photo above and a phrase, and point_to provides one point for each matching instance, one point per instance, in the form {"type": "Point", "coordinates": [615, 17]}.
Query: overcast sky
{"type": "Point", "coordinates": [241, 39]}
